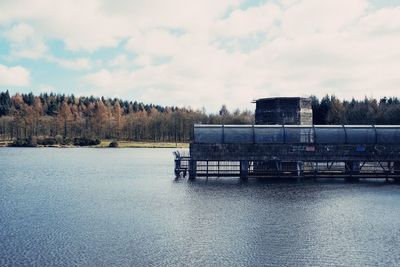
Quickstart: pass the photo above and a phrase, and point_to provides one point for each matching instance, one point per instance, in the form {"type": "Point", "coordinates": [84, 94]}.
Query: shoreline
{"type": "Point", "coordinates": [106, 143]}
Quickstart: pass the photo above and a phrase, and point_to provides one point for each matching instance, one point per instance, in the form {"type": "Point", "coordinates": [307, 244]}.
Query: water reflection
{"type": "Point", "coordinates": [96, 207]}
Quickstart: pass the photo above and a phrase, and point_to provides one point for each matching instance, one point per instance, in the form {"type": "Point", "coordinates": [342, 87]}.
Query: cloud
{"type": "Point", "coordinates": [314, 16]}
{"type": "Point", "coordinates": [14, 76]}
{"type": "Point", "coordinates": [241, 23]}
{"type": "Point", "coordinates": [94, 24]}
{"type": "Point", "coordinates": [205, 53]}
{"type": "Point", "coordinates": [154, 42]}
{"type": "Point", "coordinates": [73, 64]}
{"type": "Point", "coordinates": [307, 49]}
{"type": "Point", "coordinates": [80, 24]}
{"type": "Point", "coordinates": [107, 79]}
{"type": "Point", "coordinates": [25, 42]}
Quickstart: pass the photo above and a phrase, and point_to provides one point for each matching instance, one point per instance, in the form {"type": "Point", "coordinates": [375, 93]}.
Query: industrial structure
{"type": "Point", "coordinates": [284, 110]}
{"type": "Point", "coordinates": [291, 151]}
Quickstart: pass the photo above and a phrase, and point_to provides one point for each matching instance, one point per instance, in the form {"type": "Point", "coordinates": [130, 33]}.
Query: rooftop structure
{"type": "Point", "coordinates": [284, 110]}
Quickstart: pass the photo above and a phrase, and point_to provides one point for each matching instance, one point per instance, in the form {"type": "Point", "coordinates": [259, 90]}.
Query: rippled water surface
{"type": "Point", "coordinates": [102, 207]}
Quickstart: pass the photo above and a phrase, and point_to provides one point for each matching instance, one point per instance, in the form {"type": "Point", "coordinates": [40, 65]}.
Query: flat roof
{"type": "Point", "coordinates": [280, 97]}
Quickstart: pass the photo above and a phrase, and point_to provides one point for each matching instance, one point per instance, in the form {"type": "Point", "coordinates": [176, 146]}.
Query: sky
{"type": "Point", "coordinates": [201, 53]}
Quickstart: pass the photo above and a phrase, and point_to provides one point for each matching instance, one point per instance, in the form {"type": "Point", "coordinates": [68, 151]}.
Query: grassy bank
{"type": "Point", "coordinates": [121, 144]}
{"type": "Point", "coordinates": [134, 144]}
{"type": "Point", "coordinates": [5, 143]}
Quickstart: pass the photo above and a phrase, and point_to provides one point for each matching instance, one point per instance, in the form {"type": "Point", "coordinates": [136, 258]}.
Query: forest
{"type": "Point", "coordinates": [64, 118]}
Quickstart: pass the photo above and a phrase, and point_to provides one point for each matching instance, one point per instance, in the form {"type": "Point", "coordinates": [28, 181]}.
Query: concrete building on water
{"type": "Point", "coordinates": [284, 111]}
{"type": "Point", "coordinates": [284, 143]}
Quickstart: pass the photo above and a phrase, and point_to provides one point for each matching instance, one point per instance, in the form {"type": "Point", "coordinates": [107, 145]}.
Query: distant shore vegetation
{"type": "Point", "coordinates": [57, 119]}
{"type": "Point", "coordinates": [28, 119]}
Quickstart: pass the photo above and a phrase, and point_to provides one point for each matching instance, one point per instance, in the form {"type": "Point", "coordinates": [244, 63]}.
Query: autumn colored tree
{"type": "Point", "coordinates": [65, 118]}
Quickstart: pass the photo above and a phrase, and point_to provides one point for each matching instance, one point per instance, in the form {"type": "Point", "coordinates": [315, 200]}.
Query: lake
{"type": "Point", "coordinates": [122, 207]}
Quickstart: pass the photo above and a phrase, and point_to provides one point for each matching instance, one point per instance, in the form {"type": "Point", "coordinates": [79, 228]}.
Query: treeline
{"type": "Point", "coordinates": [331, 110]}
{"type": "Point", "coordinates": [67, 118]}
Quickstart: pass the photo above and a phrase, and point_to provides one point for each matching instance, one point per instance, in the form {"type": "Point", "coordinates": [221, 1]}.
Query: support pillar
{"type": "Point", "coordinates": [192, 169]}
{"type": "Point", "coordinates": [244, 169]}
{"type": "Point", "coordinates": [396, 171]}
{"type": "Point", "coordinates": [300, 168]}
{"type": "Point", "coordinates": [396, 167]}
{"type": "Point", "coordinates": [352, 167]}
{"type": "Point", "coordinates": [177, 167]}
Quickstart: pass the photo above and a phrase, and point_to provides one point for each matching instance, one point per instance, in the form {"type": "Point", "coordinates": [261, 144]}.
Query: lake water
{"type": "Point", "coordinates": [122, 207]}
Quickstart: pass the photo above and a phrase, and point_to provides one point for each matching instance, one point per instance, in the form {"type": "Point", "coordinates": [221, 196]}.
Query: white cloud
{"type": "Point", "coordinates": [154, 42]}
{"type": "Point", "coordinates": [107, 79]}
{"type": "Point", "coordinates": [14, 76]}
{"type": "Point", "coordinates": [93, 24]}
{"type": "Point", "coordinates": [80, 24]}
{"type": "Point", "coordinates": [315, 16]}
{"type": "Point", "coordinates": [120, 61]}
{"type": "Point", "coordinates": [25, 42]}
{"type": "Point", "coordinates": [74, 64]}
{"type": "Point", "coordinates": [385, 21]}
{"type": "Point", "coordinates": [250, 21]}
